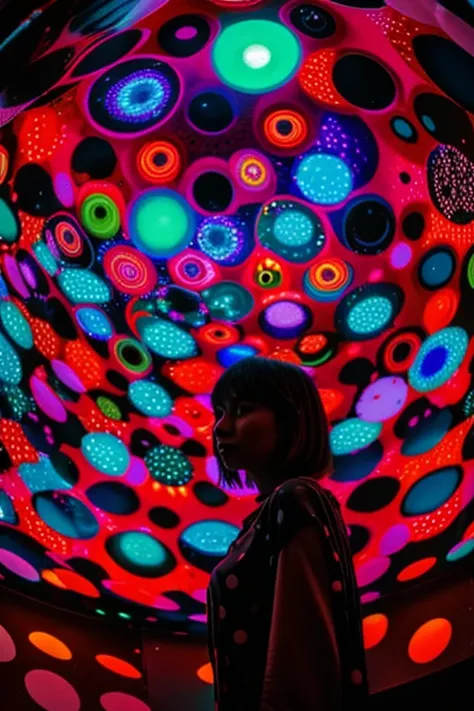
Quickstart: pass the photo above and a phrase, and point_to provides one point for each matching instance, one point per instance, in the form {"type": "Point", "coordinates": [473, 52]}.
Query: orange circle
{"type": "Point", "coordinates": [118, 666]}
{"type": "Point", "coordinates": [440, 310]}
{"type": "Point", "coordinates": [285, 128]}
{"type": "Point", "coordinates": [50, 645]}
{"type": "Point", "coordinates": [159, 162]}
{"type": "Point", "coordinates": [374, 629]}
{"type": "Point", "coordinates": [430, 640]}
{"type": "Point", "coordinates": [206, 674]}
{"type": "Point", "coordinates": [414, 570]}
{"type": "Point", "coordinates": [69, 580]}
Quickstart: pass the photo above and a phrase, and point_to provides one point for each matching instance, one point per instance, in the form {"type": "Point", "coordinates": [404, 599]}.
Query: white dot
{"type": "Point", "coordinates": [257, 56]}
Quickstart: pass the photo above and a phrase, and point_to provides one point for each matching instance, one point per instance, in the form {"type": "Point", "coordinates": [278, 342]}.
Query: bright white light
{"type": "Point", "coordinates": [257, 56]}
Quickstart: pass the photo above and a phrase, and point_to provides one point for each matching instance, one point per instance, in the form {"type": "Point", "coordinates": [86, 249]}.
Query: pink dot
{"type": "Point", "coordinates": [372, 570]}
{"type": "Point", "coordinates": [394, 539]}
{"type": "Point", "coordinates": [356, 677]}
{"type": "Point", "coordinates": [51, 691]}
{"type": "Point", "coordinates": [17, 565]}
{"type": "Point", "coordinates": [117, 701]}
{"type": "Point", "coordinates": [7, 646]}
{"type": "Point", "coordinates": [337, 586]}
{"type": "Point", "coordinates": [186, 33]}
{"type": "Point", "coordinates": [222, 612]}
{"type": "Point", "coordinates": [232, 582]}
{"type": "Point", "coordinates": [240, 636]}
{"type": "Point", "coordinates": [198, 618]}
{"type": "Point", "coordinates": [368, 597]}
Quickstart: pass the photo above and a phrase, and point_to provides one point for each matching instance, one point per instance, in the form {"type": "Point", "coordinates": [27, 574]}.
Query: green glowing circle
{"type": "Point", "coordinates": [470, 271]}
{"type": "Point", "coordinates": [160, 223]}
{"type": "Point", "coordinates": [9, 229]}
{"type": "Point", "coordinates": [100, 216]}
{"type": "Point", "coordinates": [133, 355]}
{"type": "Point", "coordinates": [256, 56]}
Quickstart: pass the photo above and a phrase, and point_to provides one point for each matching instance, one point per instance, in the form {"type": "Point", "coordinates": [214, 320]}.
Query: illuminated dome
{"type": "Point", "coordinates": [184, 184]}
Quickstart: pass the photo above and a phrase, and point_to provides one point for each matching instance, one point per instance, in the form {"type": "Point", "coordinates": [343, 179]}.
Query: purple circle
{"type": "Point", "coordinates": [394, 539]}
{"type": "Point", "coordinates": [47, 400]}
{"type": "Point", "coordinates": [372, 570]}
{"type": "Point", "coordinates": [368, 597]}
{"type": "Point", "coordinates": [285, 314]}
{"type": "Point", "coordinates": [382, 399]}
{"type": "Point", "coordinates": [18, 565]}
{"type": "Point", "coordinates": [137, 473]}
{"type": "Point", "coordinates": [68, 376]}
{"type": "Point", "coordinates": [14, 276]}
{"type": "Point", "coordinates": [401, 255]}
{"type": "Point", "coordinates": [186, 33]}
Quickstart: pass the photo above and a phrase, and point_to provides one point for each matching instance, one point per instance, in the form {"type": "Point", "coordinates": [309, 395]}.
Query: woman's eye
{"type": "Point", "coordinates": [243, 408]}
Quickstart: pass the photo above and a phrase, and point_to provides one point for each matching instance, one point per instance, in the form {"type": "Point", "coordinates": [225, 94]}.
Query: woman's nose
{"type": "Point", "coordinates": [223, 424]}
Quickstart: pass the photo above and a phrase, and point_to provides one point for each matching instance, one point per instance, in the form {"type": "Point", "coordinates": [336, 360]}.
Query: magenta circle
{"type": "Point", "coordinates": [51, 691]}
{"type": "Point", "coordinates": [18, 565]}
{"type": "Point", "coordinates": [372, 570]}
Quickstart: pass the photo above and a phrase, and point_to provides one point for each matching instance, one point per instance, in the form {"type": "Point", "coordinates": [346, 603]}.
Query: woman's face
{"type": "Point", "coordinates": [246, 435]}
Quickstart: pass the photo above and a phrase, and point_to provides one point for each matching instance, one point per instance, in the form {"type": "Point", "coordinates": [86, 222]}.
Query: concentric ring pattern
{"type": "Point", "coordinates": [184, 184]}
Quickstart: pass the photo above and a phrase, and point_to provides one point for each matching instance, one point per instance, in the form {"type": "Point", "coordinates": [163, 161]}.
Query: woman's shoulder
{"type": "Point", "coordinates": [297, 503]}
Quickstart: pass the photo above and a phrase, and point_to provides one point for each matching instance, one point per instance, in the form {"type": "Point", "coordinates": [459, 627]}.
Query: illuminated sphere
{"type": "Point", "coordinates": [184, 187]}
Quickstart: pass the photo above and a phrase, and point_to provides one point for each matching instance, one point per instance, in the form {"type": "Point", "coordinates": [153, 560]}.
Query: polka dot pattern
{"type": "Point", "coordinates": [171, 205]}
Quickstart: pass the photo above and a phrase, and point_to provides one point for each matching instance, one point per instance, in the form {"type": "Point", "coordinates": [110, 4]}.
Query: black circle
{"type": "Point", "coordinates": [374, 494]}
{"type": "Point", "coordinates": [413, 225]}
{"type": "Point", "coordinates": [131, 354]}
{"type": "Point", "coordinates": [210, 112]}
{"type": "Point", "coordinates": [160, 159]}
{"type": "Point", "coordinates": [445, 121]}
{"type": "Point", "coordinates": [35, 191]}
{"type": "Point", "coordinates": [284, 127]}
{"type": "Point", "coordinates": [209, 494]}
{"type": "Point", "coordinates": [59, 318]}
{"type": "Point", "coordinates": [449, 66]}
{"type": "Point", "coordinates": [114, 497]}
{"type": "Point", "coordinates": [94, 156]}
{"type": "Point", "coordinates": [363, 82]}
{"type": "Point", "coordinates": [405, 178]}
{"type": "Point", "coordinates": [117, 380]}
{"type": "Point", "coordinates": [213, 191]}
{"type": "Point", "coordinates": [184, 35]}
{"type": "Point", "coordinates": [107, 53]}
{"type": "Point", "coordinates": [163, 517]}
{"type": "Point", "coordinates": [313, 21]}
{"type": "Point", "coordinates": [401, 352]}
{"type": "Point", "coordinates": [358, 538]}
{"type": "Point", "coordinates": [65, 467]}
{"type": "Point", "coordinates": [369, 225]}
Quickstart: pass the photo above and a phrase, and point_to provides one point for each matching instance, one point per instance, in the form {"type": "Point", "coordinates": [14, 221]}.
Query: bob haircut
{"type": "Point", "coordinates": [303, 433]}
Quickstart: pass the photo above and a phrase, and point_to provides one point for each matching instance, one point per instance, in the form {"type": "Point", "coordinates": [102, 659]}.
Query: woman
{"type": "Point", "coordinates": [283, 606]}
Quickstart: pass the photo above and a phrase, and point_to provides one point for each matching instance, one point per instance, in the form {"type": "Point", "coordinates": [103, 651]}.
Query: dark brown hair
{"type": "Point", "coordinates": [290, 393]}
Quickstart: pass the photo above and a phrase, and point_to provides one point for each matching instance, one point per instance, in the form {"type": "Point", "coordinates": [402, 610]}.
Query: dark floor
{"type": "Point", "coordinates": [448, 690]}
